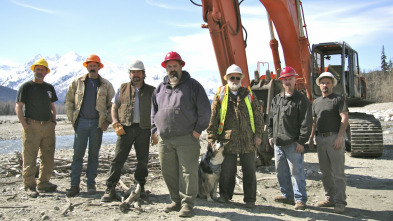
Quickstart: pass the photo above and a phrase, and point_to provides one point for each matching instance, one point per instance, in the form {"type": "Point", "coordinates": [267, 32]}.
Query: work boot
{"type": "Point", "coordinates": [300, 205]}
{"type": "Point", "coordinates": [91, 189]}
{"type": "Point", "coordinates": [47, 187]}
{"type": "Point", "coordinates": [339, 208]}
{"type": "Point", "coordinates": [325, 203]}
{"type": "Point", "coordinates": [173, 207]}
{"type": "Point", "coordinates": [109, 195]}
{"type": "Point", "coordinates": [31, 192]}
{"type": "Point", "coordinates": [282, 199]}
{"type": "Point", "coordinates": [73, 191]}
{"type": "Point", "coordinates": [186, 211]}
{"type": "Point", "coordinates": [143, 192]}
{"type": "Point", "coordinates": [222, 199]}
{"type": "Point", "coordinates": [250, 205]}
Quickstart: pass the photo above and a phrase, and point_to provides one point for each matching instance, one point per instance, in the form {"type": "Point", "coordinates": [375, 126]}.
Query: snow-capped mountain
{"type": "Point", "coordinates": [64, 69]}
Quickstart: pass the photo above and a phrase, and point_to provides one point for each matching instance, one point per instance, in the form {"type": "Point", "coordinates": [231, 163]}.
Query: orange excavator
{"type": "Point", "coordinates": [223, 19]}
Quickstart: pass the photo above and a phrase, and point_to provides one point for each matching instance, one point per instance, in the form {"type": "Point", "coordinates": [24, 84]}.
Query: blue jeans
{"type": "Point", "coordinates": [86, 131]}
{"type": "Point", "coordinates": [290, 163]}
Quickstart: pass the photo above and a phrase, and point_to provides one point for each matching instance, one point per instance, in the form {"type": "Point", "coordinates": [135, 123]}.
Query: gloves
{"type": "Point", "coordinates": [153, 140]}
{"type": "Point", "coordinates": [119, 129]}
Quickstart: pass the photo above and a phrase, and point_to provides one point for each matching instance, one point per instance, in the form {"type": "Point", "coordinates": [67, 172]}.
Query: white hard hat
{"type": "Point", "coordinates": [327, 75]}
{"type": "Point", "coordinates": [234, 69]}
{"type": "Point", "coordinates": [136, 65]}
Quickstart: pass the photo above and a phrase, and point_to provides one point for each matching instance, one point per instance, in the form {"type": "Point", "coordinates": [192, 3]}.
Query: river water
{"type": "Point", "coordinates": [62, 142]}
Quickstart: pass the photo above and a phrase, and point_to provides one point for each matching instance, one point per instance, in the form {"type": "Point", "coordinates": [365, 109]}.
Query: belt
{"type": "Point", "coordinates": [37, 121]}
{"type": "Point", "coordinates": [326, 134]}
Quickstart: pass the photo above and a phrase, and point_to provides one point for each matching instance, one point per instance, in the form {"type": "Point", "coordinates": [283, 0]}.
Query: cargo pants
{"type": "Point", "coordinates": [39, 137]}
{"type": "Point", "coordinates": [179, 167]}
{"type": "Point", "coordinates": [332, 165]}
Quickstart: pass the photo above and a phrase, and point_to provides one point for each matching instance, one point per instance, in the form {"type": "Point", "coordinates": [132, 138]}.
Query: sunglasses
{"type": "Point", "coordinates": [233, 78]}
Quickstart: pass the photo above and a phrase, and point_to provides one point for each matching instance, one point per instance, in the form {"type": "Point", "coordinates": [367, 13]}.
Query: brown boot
{"type": "Point", "coordinates": [47, 187]}
{"type": "Point", "coordinates": [31, 192]}
{"type": "Point", "coordinates": [282, 199]}
{"type": "Point", "coordinates": [186, 211]}
{"type": "Point", "coordinates": [325, 203]}
{"type": "Point", "coordinates": [339, 208]}
{"type": "Point", "coordinates": [173, 207]}
{"type": "Point", "coordinates": [300, 205]}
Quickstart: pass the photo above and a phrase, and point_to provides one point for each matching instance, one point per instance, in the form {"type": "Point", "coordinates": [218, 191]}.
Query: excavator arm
{"type": "Point", "coordinates": [224, 22]}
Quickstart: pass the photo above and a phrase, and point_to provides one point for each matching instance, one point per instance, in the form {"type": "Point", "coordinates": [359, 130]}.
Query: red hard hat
{"type": "Point", "coordinates": [172, 56]}
{"type": "Point", "coordinates": [288, 72]}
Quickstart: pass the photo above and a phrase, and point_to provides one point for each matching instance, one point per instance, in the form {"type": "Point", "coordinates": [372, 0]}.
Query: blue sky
{"type": "Point", "coordinates": [121, 30]}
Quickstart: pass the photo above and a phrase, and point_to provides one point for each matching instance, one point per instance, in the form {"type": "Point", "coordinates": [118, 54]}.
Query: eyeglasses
{"type": "Point", "coordinates": [233, 78]}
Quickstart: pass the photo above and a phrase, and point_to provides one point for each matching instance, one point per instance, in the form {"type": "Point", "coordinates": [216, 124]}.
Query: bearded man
{"type": "Point", "coordinates": [289, 129]}
{"type": "Point", "coordinates": [180, 112]}
{"type": "Point", "coordinates": [237, 122]}
{"type": "Point", "coordinates": [131, 120]}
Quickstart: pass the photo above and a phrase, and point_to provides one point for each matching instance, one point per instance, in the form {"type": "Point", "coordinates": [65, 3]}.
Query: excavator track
{"type": "Point", "coordinates": [364, 135]}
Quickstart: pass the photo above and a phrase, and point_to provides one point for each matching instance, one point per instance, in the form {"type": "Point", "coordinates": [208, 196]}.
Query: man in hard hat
{"type": "Point", "coordinates": [289, 129]}
{"type": "Point", "coordinates": [38, 121]}
{"type": "Point", "coordinates": [180, 112]}
{"type": "Point", "coordinates": [131, 119]}
{"type": "Point", "coordinates": [236, 121]}
{"type": "Point", "coordinates": [330, 112]}
{"type": "Point", "coordinates": [88, 107]}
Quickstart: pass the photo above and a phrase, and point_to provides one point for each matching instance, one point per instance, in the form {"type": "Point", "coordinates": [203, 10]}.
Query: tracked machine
{"type": "Point", "coordinates": [222, 17]}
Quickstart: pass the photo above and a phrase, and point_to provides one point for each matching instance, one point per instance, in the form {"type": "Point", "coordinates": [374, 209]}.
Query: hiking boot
{"type": "Point", "coordinates": [300, 205]}
{"type": "Point", "coordinates": [173, 207]}
{"type": "Point", "coordinates": [339, 208]}
{"type": "Point", "coordinates": [250, 205]}
{"type": "Point", "coordinates": [186, 211]}
{"type": "Point", "coordinates": [325, 203]}
{"type": "Point", "coordinates": [91, 189]}
{"type": "Point", "coordinates": [222, 199]}
{"type": "Point", "coordinates": [47, 187]}
{"type": "Point", "coordinates": [109, 195]}
{"type": "Point", "coordinates": [73, 191]}
{"type": "Point", "coordinates": [282, 199]}
{"type": "Point", "coordinates": [31, 192]}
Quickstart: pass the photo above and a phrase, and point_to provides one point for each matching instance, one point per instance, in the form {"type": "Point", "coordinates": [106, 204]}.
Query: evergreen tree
{"type": "Point", "coordinates": [384, 64]}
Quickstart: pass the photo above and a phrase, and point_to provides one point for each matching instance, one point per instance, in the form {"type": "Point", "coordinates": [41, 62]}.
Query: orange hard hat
{"type": "Point", "coordinates": [288, 72]}
{"type": "Point", "coordinates": [172, 56]}
{"type": "Point", "coordinates": [93, 58]}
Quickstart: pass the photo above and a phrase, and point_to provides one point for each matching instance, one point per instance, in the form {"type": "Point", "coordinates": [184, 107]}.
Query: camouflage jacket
{"type": "Point", "coordinates": [237, 135]}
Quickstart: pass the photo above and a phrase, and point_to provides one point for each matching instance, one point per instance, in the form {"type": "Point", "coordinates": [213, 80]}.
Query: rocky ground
{"type": "Point", "coordinates": [369, 190]}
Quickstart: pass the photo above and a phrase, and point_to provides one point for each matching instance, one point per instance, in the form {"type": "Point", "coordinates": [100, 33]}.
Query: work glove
{"type": "Point", "coordinates": [153, 140]}
{"type": "Point", "coordinates": [119, 129]}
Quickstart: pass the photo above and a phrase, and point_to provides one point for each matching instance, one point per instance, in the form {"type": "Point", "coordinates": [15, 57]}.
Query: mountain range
{"type": "Point", "coordinates": [65, 68]}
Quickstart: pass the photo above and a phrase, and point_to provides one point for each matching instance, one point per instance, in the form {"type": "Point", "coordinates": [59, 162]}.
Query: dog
{"type": "Point", "coordinates": [209, 171]}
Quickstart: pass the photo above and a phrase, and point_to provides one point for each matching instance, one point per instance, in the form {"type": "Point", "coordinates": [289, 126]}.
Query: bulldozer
{"type": "Point", "coordinates": [286, 18]}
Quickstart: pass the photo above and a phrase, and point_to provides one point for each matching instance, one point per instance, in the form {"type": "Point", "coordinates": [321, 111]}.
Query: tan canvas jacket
{"type": "Point", "coordinates": [74, 99]}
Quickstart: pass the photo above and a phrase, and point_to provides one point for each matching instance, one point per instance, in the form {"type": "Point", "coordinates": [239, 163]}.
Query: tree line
{"type": "Point", "coordinates": [379, 82]}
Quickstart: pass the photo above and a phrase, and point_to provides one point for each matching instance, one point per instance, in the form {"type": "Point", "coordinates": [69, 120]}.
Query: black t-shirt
{"type": "Point", "coordinates": [327, 111]}
{"type": "Point", "coordinates": [38, 99]}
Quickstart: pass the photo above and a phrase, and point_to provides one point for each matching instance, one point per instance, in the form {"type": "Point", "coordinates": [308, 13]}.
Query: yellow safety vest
{"type": "Point", "coordinates": [222, 93]}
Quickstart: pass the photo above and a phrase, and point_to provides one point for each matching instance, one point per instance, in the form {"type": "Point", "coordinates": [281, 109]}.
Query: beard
{"type": "Point", "coordinates": [136, 79]}
{"type": "Point", "coordinates": [233, 86]}
{"type": "Point", "coordinates": [173, 76]}
{"type": "Point", "coordinates": [38, 76]}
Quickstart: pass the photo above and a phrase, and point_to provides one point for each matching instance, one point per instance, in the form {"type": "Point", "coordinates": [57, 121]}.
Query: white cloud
{"type": "Point", "coordinates": [33, 7]}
